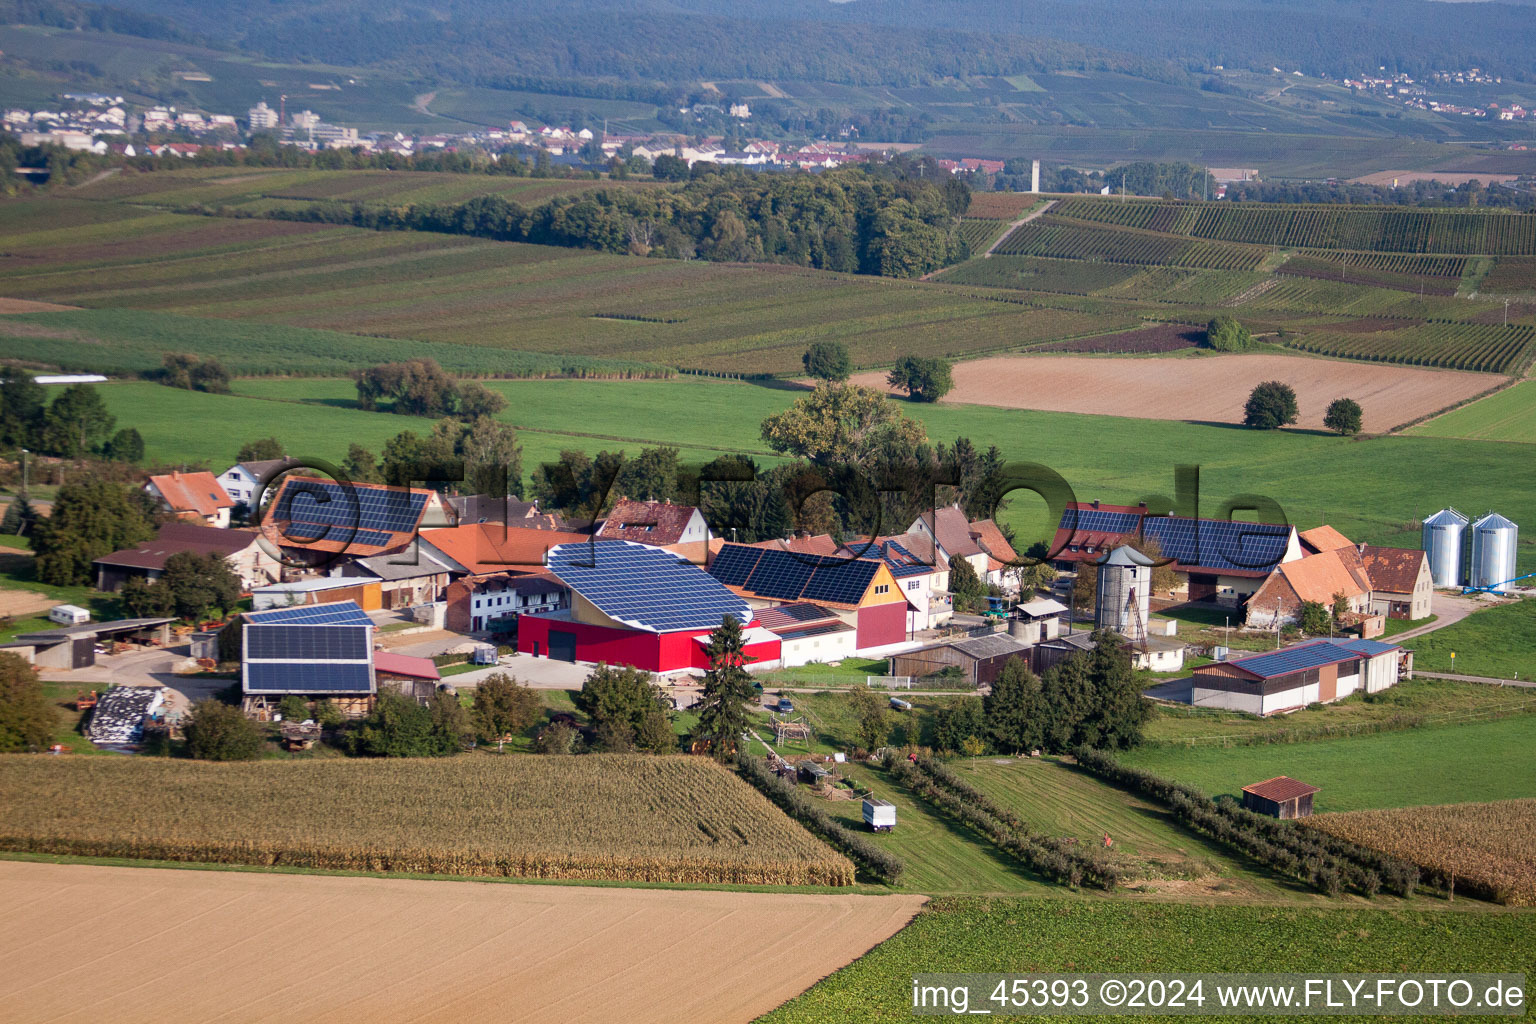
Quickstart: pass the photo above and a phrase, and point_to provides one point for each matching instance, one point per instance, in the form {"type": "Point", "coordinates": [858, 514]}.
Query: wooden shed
{"type": "Point", "coordinates": [1280, 797]}
{"type": "Point", "coordinates": [980, 659]}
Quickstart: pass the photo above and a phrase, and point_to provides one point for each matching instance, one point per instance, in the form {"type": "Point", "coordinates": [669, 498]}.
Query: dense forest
{"type": "Point", "coordinates": [881, 221]}
{"type": "Point", "coordinates": [872, 42]}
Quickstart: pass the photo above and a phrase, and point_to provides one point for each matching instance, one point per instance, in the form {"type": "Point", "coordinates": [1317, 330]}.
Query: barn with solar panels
{"type": "Point", "coordinates": [632, 604]}
{"type": "Point", "coordinates": [315, 519]}
{"type": "Point", "coordinates": [861, 591]}
{"type": "Point", "coordinates": [1317, 672]}
{"type": "Point", "coordinates": [1223, 560]}
{"type": "Point", "coordinates": [231, 639]}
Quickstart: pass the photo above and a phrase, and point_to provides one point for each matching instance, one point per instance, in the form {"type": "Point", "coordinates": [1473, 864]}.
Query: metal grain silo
{"type": "Point", "coordinates": [1444, 542]}
{"type": "Point", "coordinates": [1493, 551]}
{"type": "Point", "coordinates": [1124, 599]}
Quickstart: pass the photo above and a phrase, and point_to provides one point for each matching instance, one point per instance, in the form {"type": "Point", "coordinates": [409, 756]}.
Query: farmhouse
{"type": "Point", "coordinates": [406, 578]}
{"type": "Point", "coordinates": [482, 549]}
{"type": "Point", "coordinates": [921, 570]}
{"type": "Point", "coordinates": [861, 590]}
{"type": "Point", "coordinates": [981, 542]}
{"type": "Point", "coordinates": [1280, 797]}
{"type": "Point", "coordinates": [465, 510]}
{"type": "Point", "coordinates": [1401, 585]}
{"type": "Point", "coordinates": [1223, 561]}
{"type": "Point", "coordinates": [1320, 671]}
{"type": "Point", "coordinates": [242, 480]}
{"type": "Point", "coordinates": [1375, 581]}
{"type": "Point", "coordinates": [195, 497]}
{"type": "Point", "coordinates": [633, 604]}
{"type": "Point", "coordinates": [241, 549]}
{"type": "Point", "coordinates": [492, 602]}
{"type": "Point", "coordinates": [315, 519]}
{"type": "Point", "coordinates": [678, 528]}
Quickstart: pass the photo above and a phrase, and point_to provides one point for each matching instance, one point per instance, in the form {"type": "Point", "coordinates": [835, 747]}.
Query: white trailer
{"type": "Point", "coordinates": [879, 815]}
{"type": "Point", "coordinates": [68, 615]}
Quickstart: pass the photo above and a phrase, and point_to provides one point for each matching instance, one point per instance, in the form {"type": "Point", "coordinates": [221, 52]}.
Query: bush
{"type": "Point", "coordinates": [401, 727]}
{"type": "Point", "coordinates": [827, 360]}
{"type": "Point", "coordinates": [557, 739]}
{"type": "Point", "coordinates": [1224, 334]}
{"type": "Point", "coordinates": [293, 708]}
{"type": "Point", "coordinates": [220, 732]}
{"type": "Point", "coordinates": [27, 717]}
{"type": "Point", "coordinates": [875, 859]}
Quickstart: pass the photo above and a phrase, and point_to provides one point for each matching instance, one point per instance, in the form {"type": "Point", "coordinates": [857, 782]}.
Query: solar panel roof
{"type": "Point", "coordinates": [1095, 520]}
{"type": "Point", "coordinates": [1311, 655]}
{"type": "Point", "coordinates": [840, 580]}
{"type": "Point", "coordinates": [794, 576]}
{"type": "Point", "coordinates": [645, 587]}
{"type": "Point", "coordinates": [311, 509]}
{"type": "Point", "coordinates": [299, 642]}
{"type": "Point", "coordinates": [734, 563]}
{"type": "Point", "coordinates": [1218, 544]}
{"type": "Point", "coordinates": [308, 677]}
{"type": "Point", "coordinates": [332, 613]}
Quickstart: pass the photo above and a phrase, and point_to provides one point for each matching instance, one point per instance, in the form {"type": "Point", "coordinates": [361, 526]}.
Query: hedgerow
{"type": "Point", "coordinates": [1324, 862]}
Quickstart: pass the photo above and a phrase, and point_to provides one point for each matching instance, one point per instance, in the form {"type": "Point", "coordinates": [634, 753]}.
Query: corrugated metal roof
{"type": "Point", "coordinates": [994, 646]}
{"type": "Point", "coordinates": [1280, 789]}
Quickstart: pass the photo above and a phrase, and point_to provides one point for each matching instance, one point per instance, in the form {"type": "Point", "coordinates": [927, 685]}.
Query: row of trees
{"type": "Point", "coordinates": [420, 387]}
{"type": "Point", "coordinates": [1272, 404]}
{"type": "Point", "coordinates": [193, 373]}
{"type": "Point", "coordinates": [848, 220]}
{"type": "Point", "coordinates": [75, 425]}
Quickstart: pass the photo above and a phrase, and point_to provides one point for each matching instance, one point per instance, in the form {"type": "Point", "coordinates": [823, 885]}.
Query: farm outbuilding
{"type": "Point", "coordinates": [1317, 672]}
{"type": "Point", "coordinates": [980, 659]}
{"type": "Point", "coordinates": [119, 714]}
{"type": "Point", "coordinates": [72, 647]}
{"type": "Point", "coordinates": [1280, 797]}
{"type": "Point", "coordinates": [368, 594]}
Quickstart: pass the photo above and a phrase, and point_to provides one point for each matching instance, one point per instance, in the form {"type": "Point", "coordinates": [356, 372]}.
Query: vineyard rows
{"type": "Point", "coordinates": [1049, 236]}
{"type": "Point", "coordinates": [1490, 348]}
{"type": "Point", "coordinates": [1071, 277]}
{"type": "Point", "coordinates": [1347, 273]}
{"type": "Point", "coordinates": [1511, 274]}
{"type": "Point", "coordinates": [1381, 230]}
{"type": "Point", "coordinates": [1395, 263]}
{"type": "Point", "coordinates": [980, 232]}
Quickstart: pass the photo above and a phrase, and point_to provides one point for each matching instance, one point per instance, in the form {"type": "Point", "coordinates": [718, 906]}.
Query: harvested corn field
{"type": "Point", "coordinates": [614, 816]}
{"type": "Point", "coordinates": [1485, 850]}
{"type": "Point", "coordinates": [244, 946]}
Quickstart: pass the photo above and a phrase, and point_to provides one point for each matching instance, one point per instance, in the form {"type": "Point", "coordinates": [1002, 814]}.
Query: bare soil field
{"type": "Point", "coordinates": [1212, 388]}
{"type": "Point", "coordinates": [139, 944]}
{"type": "Point", "coordinates": [29, 306]}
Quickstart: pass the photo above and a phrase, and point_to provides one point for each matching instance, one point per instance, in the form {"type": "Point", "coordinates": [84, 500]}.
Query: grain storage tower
{"type": "Point", "coordinates": [1493, 552]}
{"type": "Point", "coordinates": [1444, 537]}
{"type": "Point", "coordinates": [1125, 593]}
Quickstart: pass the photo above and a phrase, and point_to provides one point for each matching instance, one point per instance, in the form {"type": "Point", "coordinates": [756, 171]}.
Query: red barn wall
{"type": "Point", "coordinates": [880, 624]}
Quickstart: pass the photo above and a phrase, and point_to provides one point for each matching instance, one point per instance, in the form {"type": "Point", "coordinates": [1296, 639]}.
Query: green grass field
{"type": "Point", "coordinates": [1389, 481]}
{"type": "Point", "coordinates": [1029, 936]}
{"type": "Point", "coordinates": [1499, 642]}
{"type": "Point", "coordinates": [1509, 415]}
{"type": "Point", "coordinates": [1443, 765]}
{"type": "Point", "coordinates": [1406, 705]}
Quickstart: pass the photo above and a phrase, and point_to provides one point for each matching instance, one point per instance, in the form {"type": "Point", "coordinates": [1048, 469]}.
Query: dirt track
{"type": "Point", "coordinates": [1207, 388]}
{"type": "Point", "coordinates": [29, 306]}
{"type": "Point", "coordinates": [114, 945]}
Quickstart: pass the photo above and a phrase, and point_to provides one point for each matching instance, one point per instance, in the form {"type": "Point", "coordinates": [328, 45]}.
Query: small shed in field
{"type": "Point", "coordinates": [1280, 797]}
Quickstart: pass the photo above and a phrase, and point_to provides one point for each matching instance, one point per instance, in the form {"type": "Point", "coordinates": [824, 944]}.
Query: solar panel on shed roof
{"type": "Point", "coordinates": [338, 613]}
{"type": "Point", "coordinates": [310, 505]}
{"type": "Point", "coordinates": [301, 642]}
{"type": "Point", "coordinates": [1296, 659]}
{"type": "Point", "coordinates": [308, 677]}
{"type": "Point", "coordinates": [645, 587]}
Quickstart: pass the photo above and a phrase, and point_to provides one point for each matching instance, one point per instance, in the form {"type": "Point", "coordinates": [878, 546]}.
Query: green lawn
{"type": "Point", "coordinates": [1396, 626]}
{"type": "Point", "coordinates": [1498, 642]}
{"type": "Point", "coordinates": [1390, 481]}
{"type": "Point", "coordinates": [1044, 936]}
{"type": "Point", "coordinates": [1509, 415]}
{"type": "Point", "coordinates": [1442, 765]}
{"type": "Point", "coordinates": [1409, 704]}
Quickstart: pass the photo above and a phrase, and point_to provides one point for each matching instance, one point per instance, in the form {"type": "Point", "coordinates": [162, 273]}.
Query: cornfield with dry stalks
{"type": "Point", "coordinates": [1484, 850]}
{"type": "Point", "coordinates": [598, 816]}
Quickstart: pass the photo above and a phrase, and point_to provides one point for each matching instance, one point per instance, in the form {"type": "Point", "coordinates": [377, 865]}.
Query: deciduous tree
{"type": "Point", "coordinates": [28, 719]}
{"type": "Point", "coordinates": [504, 707]}
{"type": "Point", "coordinates": [1270, 405]}
{"type": "Point", "coordinates": [923, 378]}
{"type": "Point", "coordinates": [841, 424]}
{"type": "Point", "coordinates": [827, 360]}
{"type": "Point", "coordinates": [91, 517]}
{"type": "Point", "coordinates": [220, 732]}
{"type": "Point", "coordinates": [1343, 416]}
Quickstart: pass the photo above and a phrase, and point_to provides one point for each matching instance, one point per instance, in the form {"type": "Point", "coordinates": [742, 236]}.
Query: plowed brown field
{"type": "Point", "coordinates": [1212, 388]}
{"type": "Point", "coordinates": [119, 945]}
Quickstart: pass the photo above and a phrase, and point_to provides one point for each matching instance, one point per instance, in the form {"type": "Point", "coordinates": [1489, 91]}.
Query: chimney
{"type": "Point", "coordinates": [1095, 502]}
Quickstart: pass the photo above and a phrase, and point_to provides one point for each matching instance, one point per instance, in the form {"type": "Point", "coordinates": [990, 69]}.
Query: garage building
{"type": "Point", "coordinates": [1317, 672]}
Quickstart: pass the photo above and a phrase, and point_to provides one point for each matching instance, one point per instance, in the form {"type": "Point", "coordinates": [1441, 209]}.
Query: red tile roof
{"type": "Point", "coordinates": [346, 542]}
{"type": "Point", "coordinates": [1319, 577]}
{"type": "Point", "coordinates": [1324, 538]}
{"type": "Point", "coordinates": [657, 523]}
{"type": "Point", "coordinates": [1280, 789]}
{"type": "Point", "coordinates": [496, 547]}
{"type": "Point", "coordinates": [805, 544]}
{"type": "Point", "coordinates": [192, 492]}
{"type": "Point", "coordinates": [1395, 570]}
{"type": "Point", "coordinates": [949, 525]}
{"type": "Point", "coordinates": [794, 616]}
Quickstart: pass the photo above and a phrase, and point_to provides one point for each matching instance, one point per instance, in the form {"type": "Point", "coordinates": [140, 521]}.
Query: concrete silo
{"type": "Point", "coordinates": [1493, 552]}
{"type": "Point", "coordinates": [1444, 541]}
{"type": "Point", "coordinates": [1124, 600]}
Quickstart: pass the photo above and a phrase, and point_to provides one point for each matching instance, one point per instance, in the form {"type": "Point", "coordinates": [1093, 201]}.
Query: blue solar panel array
{"type": "Point", "coordinates": [1307, 656]}
{"type": "Point", "coordinates": [308, 677]}
{"type": "Point", "coordinates": [1213, 544]}
{"type": "Point", "coordinates": [335, 613]}
{"type": "Point", "coordinates": [299, 642]}
{"type": "Point", "coordinates": [902, 562]}
{"type": "Point", "coordinates": [645, 587]}
{"type": "Point", "coordinates": [312, 508]}
{"type": "Point", "coordinates": [792, 576]}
